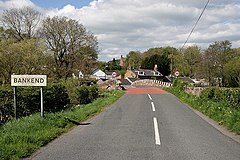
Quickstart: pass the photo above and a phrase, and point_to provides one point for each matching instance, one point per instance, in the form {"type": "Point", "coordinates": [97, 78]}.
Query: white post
{"type": "Point", "coordinates": [42, 101]}
{"type": "Point", "coordinates": [15, 101]}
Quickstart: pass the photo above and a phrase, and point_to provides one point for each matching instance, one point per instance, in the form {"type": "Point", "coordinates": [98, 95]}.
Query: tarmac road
{"type": "Point", "coordinates": [145, 124]}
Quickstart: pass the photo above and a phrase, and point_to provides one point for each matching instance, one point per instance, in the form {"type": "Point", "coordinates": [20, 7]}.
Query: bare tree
{"type": "Point", "coordinates": [72, 45]}
{"type": "Point", "coordinates": [21, 23]}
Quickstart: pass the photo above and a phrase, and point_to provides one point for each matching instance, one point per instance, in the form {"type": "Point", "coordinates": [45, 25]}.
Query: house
{"type": "Point", "coordinates": [104, 75]}
{"type": "Point", "coordinates": [146, 74]}
{"type": "Point", "coordinates": [99, 74]}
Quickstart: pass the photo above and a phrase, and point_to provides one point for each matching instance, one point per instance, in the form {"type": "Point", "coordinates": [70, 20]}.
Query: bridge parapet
{"type": "Point", "coordinates": [150, 82]}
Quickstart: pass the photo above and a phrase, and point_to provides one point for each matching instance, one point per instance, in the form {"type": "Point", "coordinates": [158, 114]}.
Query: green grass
{"type": "Point", "coordinates": [22, 137]}
{"type": "Point", "coordinates": [219, 111]}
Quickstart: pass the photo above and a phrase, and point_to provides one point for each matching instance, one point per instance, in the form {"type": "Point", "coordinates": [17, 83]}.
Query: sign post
{"type": "Point", "coordinates": [15, 102]}
{"type": "Point", "coordinates": [114, 75]}
{"type": "Point", "coordinates": [42, 101]}
{"type": "Point", "coordinates": [28, 80]}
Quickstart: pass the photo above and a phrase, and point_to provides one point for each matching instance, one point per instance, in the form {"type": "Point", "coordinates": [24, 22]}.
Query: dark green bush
{"type": "Point", "coordinates": [55, 98]}
{"type": "Point", "coordinates": [6, 103]}
{"type": "Point", "coordinates": [28, 100]}
{"type": "Point", "coordinates": [230, 96]}
{"type": "Point", "coordinates": [179, 84]}
{"type": "Point", "coordinates": [86, 94]}
{"type": "Point", "coordinates": [72, 85]}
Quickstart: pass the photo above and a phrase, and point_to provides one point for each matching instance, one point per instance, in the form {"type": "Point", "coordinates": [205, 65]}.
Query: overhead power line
{"type": "Point", "coordinates": [195, 24]}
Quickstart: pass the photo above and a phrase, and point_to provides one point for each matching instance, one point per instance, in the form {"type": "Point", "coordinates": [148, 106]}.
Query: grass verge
{"type": "Point", "coordinates": [218, 111]}
{"type": "Point", "coordinates": [22, 137]}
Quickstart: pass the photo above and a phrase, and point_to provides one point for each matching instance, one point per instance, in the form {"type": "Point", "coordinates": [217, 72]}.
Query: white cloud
{"type": "Point", "coordinates": [125, 25]}
{"type": "Point", "coordinates": [7, 4]}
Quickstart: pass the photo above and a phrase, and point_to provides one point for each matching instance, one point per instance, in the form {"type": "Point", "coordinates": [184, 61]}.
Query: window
{"type": "Point", "coordinates": [141, 73]}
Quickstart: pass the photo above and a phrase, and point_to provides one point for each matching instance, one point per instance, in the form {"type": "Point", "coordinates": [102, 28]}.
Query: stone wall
{"type": "Point", "coordinates": [196, 91]}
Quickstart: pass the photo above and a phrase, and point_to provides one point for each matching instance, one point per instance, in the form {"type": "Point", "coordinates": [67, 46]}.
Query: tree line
{"type": "Point", "coordinates": [219, 64]}
{"type": "Point", "coordinates": [59, 46]}
{"type": "Point", "coordinates": [33, 44]}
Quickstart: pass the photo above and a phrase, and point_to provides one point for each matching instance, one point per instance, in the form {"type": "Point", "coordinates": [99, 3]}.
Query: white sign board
{"type": "Point", "coordinates": [177, 73]}
{"type": "Point", "coordinates": [29, 80]}
{"type": "Point", "coordinates": [114, 74]}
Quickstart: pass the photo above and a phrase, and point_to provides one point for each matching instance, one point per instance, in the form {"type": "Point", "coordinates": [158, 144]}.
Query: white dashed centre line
{"type": "Point", "coordinates": [149, 97]}
{"type": "Point", "coordinates": [157, 136]}
{"type": "Point", "coordinates": [153, 107]}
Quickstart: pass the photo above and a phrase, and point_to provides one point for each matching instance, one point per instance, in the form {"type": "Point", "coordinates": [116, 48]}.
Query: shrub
{"type": "Point", "coordinates": [72, 85]}
{"type": "Point", "coordinates": [6, 103]}
{"type": "Point", "coordinates": [55, 98]}
{"type": "Point", "coordinates": [177, 83]}
{"type": "Point", "coordinates": [230, 96]}
{"type": "Point", "coordinates": [28, 100]}
{"type": "Point", "coordinates": [86, 94]}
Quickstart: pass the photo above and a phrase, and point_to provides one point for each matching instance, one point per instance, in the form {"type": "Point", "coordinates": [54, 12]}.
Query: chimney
{"type": "Point", "coordinates": [121, 61]}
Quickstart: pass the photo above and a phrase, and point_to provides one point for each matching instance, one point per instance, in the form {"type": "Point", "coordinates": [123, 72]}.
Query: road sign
{"type": "Point", "coordinates": [28, 80]}
{"type": "Point", "coordinates": [176, 73]}
{"type": "Point", "coordinates": [114, 74]}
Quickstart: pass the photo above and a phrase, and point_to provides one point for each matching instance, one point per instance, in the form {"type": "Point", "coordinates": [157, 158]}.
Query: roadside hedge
{"type": "Point", "coordinates": [230, 96]}
{"type": "Point", "coordinates": [57, 96]}
{"type": "Point", "coordinates": [86, 94]}
{"type": "Point", "coordinates": [6, 104]}
{"type": "Point", "coordinates": [28, 100]}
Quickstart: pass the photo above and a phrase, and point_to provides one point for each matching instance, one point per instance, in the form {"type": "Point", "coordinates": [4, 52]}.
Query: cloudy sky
{"type": "Point", "coordinates": [125, 25]}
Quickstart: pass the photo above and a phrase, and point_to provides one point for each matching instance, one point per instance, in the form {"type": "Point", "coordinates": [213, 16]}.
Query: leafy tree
{"type": "Point", "coordinates": [152, 51]}
{"type": "Point", "coordinates": [214, 59]}
{"type": "Point", "coordinates": [133, 60]}
{"type": "Point", "coordinates": [102, 65]}
{"type": "Point", "coordinates": [162, 62]}
{"type": "Point", "coordinates": [113, 65]}
{"type": "Point", "coordinates": [173, 56]}
{"type": "Point", "coordinates": [191, 58]}
{"type": "Point", "coordinates": [73, 47]}
{"type": "Point", "coordinates": [160, 57]}
{"type": "Point", "coordinates": [232, 73]}
{"type": "Point", "coordinates": [20, 24]}
{"type": "Point", "coordinates": [25, 57]}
